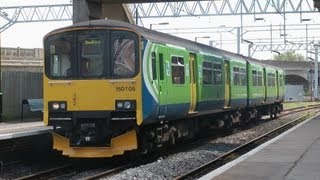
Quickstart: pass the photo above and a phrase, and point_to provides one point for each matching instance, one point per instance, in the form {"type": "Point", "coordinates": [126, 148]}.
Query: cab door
{"type": "Point", "coordinates": [163, 91]}
{"type": "Point", "coordinates": [193, 83]}
{"type": "Point", "coordinates": [227, 84]}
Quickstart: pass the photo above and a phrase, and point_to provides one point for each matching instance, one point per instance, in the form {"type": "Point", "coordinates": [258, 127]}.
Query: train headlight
{"type": "Point", "coordinates": [57, 105]}
{"type": "Point", "coordinates": [120, 105]}
{"type": "Point", "coordinates": [125, 105]}
{"type": "Point", "coordinates": [62, 105]}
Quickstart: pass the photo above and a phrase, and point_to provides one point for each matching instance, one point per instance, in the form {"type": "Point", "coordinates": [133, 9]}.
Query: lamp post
{"type": "Point", "coordinates": [220, 34]}
{"type": "Point", "coordinates": [250, 44]}
{"type": "Point", "coordinates": [162, 23]}
{"type": "Point", "coordinates": [205, 37]}
{"type": "Point", "coordinates": [316, 50]}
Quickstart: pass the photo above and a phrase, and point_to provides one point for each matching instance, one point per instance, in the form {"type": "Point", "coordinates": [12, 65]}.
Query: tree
{"type": "Point", "coordinates": [289, 56]}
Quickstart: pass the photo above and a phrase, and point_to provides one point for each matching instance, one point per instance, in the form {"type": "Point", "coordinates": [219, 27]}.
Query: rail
{"type": "Point", "coordinates": [238, 151]}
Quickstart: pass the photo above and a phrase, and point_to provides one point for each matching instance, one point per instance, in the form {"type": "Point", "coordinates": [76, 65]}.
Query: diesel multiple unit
{"type": "Point", "coordinates": [111, 87]}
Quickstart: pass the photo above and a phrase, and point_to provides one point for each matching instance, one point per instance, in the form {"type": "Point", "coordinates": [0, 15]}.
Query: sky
{"type": "Point", "coordinates": [30, 35]}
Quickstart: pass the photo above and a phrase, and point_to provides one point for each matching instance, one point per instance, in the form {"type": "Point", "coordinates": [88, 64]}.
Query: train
{"type": "Point", "coordinates": [113, 88]}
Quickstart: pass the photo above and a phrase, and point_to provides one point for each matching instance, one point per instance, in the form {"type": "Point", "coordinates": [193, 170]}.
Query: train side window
{"type": "Point", "coordinates": [243, 76]}
{"type": "Point", "coordinates": [217, 73]}
{"type": "Point", "coordinates": [177, 68]}
{"type": "Point", "coordinates": [281, 80]}
{"type": "Point", "coordinates": [154, 67]}
{"type": "Point", "coordinates": [271, 79]}
{"type": "Point", "coordinates": [259, 78]}
{"type": "Point", "coordinates": [254, 78]}
{"type": "Point", "coordinates": [207, 73]}
{"type": "Point", "coordinates": [236, 76]}
{"type": "Point", "coordinates": [161, 66]}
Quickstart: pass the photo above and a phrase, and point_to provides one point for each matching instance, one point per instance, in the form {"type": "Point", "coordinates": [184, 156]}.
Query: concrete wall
{"type": "Point", "coordinates": [16, 86]}
{"type": "Point", "coordinates": [21, 78]}
{"type": "Point", "coordinates": [294, 93]}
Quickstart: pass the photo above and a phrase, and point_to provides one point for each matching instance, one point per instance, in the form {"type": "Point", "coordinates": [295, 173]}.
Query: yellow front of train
{"type": "Point", "coordinates": [92, 90]}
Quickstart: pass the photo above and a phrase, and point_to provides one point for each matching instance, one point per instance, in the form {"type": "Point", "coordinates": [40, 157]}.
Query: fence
{"type": "Point", "coordinates": [16, 86]}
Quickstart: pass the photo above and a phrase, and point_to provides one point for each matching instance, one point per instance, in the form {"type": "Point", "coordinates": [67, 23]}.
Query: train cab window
{"type": "Point", "coordinates": [177, 68]}
{"type": "Point", "coordinates": [91, 45]}
{"type": "Point", "coordinates": [59, 56]}
{"type": "Point", "coordinates": [124, 53]}
{"type": "Point", "coordinates": [207, 73]}
{"type": "Point", "coordinates": [217, 73]}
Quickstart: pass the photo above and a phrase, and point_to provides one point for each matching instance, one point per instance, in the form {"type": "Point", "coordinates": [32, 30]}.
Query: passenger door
{"type": "Point", "coordinates": [193, 83]}
{"type": "Point", "coordinates": [227, 84]}
{"type": "Point", "coordinates": [265, 85]}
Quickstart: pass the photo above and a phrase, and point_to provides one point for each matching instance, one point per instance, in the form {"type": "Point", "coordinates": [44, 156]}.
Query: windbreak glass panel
{"type": "Point", "coordinates": [124, 53]}
{"type": "Point", "coordinates": [59, 55]}
{"type": "Point", "coordinates": [91, 45]}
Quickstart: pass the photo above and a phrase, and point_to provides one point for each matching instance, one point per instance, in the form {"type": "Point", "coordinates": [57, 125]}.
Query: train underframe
{"type": "Point", "coordinates": [88, 138]}
{"type": "Point", "coordinates": [154, 137]}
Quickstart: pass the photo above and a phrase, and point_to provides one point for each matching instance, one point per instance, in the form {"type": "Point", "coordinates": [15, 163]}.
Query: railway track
{"type": "Point", "coordinates": [48, 173]}
{"type": "Point", "coordinates": [66, 171]}
{"type": "Point", "coordinates": [69, 171]}
{"type": "Point", "coordinates": [240, 150]}
{"type": "Point", "coordinates": [108, 172]}
{"type": "Point", "coordinates": [299, 109]}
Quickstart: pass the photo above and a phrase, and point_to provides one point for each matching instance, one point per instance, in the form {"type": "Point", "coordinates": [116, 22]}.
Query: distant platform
{"type": "Point", "coordinates": [294, 155]}
{"type": "Point", "coordinates": [10, 130]}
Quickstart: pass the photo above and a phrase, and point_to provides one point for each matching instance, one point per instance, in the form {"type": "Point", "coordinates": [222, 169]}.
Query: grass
{"type": "Point", "coordinates": [290, 105]}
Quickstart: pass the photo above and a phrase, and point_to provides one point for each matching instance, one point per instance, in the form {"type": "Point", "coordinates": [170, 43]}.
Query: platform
{"type": "Point", "coordinates": [22, 129]}
{"type": "Point", "coordinates": [294, 155]}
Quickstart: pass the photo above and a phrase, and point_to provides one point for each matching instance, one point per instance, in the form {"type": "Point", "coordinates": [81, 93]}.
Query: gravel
{"type": "Point", "coordinates": [180, 163]}
{"type": "Point", "coordinates": [176, 164]}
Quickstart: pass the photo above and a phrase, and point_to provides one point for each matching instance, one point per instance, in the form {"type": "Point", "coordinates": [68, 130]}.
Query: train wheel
{"type": "Point", "coordinates": [273, 112]}
{"type": "Point", "coordinates": [228, 124]}
{"type": "Point", "coordinates": [275, 115]}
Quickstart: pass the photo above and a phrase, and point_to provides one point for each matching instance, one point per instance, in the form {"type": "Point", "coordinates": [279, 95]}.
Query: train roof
{"type": "Point", "coordinates": [164, 38]}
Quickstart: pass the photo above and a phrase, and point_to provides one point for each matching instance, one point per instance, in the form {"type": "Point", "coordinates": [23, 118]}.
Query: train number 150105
{"type": "Point", "coordinates": [125, 88]}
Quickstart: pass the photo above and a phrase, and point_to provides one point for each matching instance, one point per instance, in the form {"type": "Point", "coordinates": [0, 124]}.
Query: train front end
{"type": "Point", "coordinates": [92, 90]}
